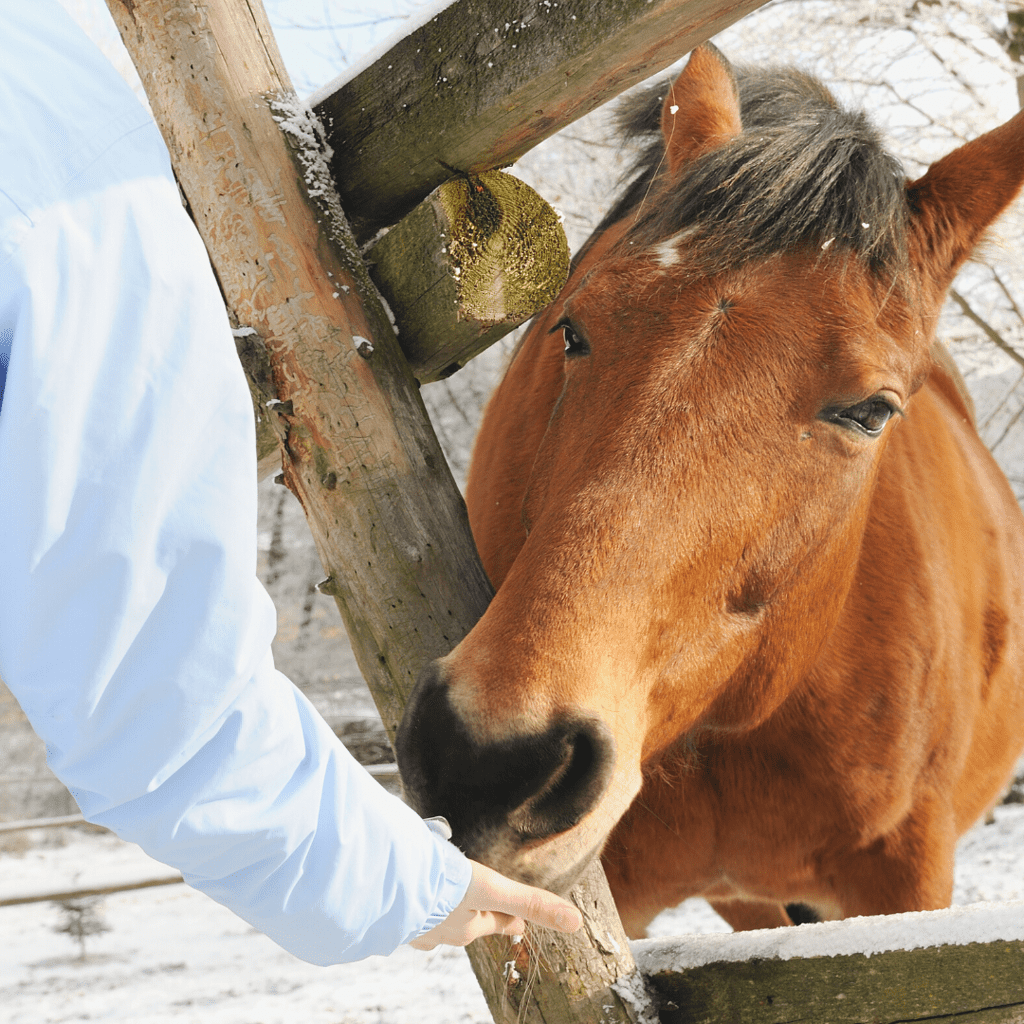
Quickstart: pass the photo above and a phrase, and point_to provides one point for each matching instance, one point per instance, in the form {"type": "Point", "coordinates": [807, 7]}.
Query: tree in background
{"type": "Point", "coordinates": [80, 918]}
{"type": "Point", "coordinates": [932, 74]}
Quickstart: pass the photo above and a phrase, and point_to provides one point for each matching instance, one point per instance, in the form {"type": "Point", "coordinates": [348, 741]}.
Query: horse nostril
{"type": "Point", "coordinates": [535, 784]}
{"type": "Point", "coordinates": [565, 795]}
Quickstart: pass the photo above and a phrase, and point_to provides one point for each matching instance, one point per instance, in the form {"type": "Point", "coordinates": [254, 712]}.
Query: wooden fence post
{"type": "Point", "coordinates": [358, 450]}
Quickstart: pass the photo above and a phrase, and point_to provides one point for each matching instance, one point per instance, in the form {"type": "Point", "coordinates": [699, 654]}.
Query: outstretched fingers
{"type": "Point", "coordinates": [506, 897]}
{"type": "Point", "coordinates": [496, 905]}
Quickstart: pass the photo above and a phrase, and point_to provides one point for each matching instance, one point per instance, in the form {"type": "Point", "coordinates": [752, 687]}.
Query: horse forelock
{"type": "Point", "coordinates": [804, 172]}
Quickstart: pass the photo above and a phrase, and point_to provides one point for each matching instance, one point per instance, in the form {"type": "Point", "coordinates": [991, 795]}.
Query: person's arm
{"type": "Point", "coordinates": [133, 630]}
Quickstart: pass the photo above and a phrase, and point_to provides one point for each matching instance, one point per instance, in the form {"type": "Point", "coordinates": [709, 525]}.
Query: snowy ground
{"type": "Point", "coordinates": [171, 954]}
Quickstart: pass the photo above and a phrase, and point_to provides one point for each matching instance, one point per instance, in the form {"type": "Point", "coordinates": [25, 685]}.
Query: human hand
{"type": "Point", "coordinates": [495, 905]}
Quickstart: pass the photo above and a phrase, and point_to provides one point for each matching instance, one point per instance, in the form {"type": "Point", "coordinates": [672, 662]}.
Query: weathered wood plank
{"type": "Point", "coordinates": [848, 972]}
{"type": "Point", "coordinates": [486, 80]}
{"type": "Point", "coordinates": [479, 256]}
{"type": "Point", "coordinates": [902, 985]}
{"type": "Point", "coordinates": [557, 979]}
{"type": "Point", "coordinates": [58, 896]}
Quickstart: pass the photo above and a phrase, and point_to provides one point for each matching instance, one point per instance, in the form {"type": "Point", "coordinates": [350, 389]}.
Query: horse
{"type": "Point", "coordinates": [758, 632]}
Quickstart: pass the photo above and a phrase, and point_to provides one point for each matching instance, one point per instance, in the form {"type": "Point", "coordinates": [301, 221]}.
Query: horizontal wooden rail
{"type": "Point", "coordinates": [79, 894]}
{"type": "Point", "coordinates": [378, 771]}
{"type": "Point", "coordinates": [22, 826]}
{"type": "Point", "coordinates": [965, 962]}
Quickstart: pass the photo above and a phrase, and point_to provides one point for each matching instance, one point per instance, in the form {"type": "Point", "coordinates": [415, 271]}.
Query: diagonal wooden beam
{"type": "Point", "coordinates": [484, 81]}
{"type": "Point", "coordinates": [358, 450]}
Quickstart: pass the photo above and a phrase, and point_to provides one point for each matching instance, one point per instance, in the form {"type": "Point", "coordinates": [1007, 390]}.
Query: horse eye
{"type": "Point", "coordinates": [870, 416]}
{"type": "Point", "coordinates": [574, 344]}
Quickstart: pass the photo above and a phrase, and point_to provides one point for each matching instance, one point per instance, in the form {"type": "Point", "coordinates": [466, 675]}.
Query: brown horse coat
{"type": "Point", "coordinates": [759, 628]}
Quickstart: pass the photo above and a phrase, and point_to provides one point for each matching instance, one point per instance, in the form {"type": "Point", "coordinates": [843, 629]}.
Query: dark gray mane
{"type": "Point", "coordinates": [803, 171]}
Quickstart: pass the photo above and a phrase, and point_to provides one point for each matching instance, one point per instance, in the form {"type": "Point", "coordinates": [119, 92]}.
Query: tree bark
{"type": "Point", "coordinates": [567, 979]}
{"type": "Point", "coordinates": [358, 450]}
{"type": "Point", "coordinates": [484, 81]}
{"type": "Point", "coordinates": [822, 978]}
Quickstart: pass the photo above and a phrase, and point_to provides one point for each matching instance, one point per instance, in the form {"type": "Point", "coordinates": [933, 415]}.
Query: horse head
{"type": "Point", "coordinates": [672, 493]}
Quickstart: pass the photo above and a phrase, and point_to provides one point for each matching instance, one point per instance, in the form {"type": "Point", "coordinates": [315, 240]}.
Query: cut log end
{"type": "Point", "coordinates": [507, 251]}
{"type": "Point", "coordinates": [482, 254]}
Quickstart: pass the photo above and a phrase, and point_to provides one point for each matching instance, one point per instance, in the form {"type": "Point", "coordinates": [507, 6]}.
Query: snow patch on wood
{"type": "Point", "coordinates": [956, 926]}
{"type": "Point", "coordinates": [632, 990]}
{"type": "Point", "coordinates": [308, 141]}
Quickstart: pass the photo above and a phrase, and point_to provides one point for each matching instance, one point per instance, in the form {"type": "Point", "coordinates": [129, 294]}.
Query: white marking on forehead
{"type": "Point", "coordinates": [666, 253]}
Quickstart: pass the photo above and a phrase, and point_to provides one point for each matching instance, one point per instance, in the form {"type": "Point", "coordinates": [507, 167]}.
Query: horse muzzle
{"type": "Point", "coordinates": [513, 799]}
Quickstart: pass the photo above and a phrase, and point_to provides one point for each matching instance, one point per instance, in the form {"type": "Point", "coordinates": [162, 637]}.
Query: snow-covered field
{"type": "Point", "coordinates": [172, 954]}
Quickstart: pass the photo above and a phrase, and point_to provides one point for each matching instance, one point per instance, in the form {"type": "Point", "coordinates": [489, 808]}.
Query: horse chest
{"type": "Point", "coordinates": [741, 823]}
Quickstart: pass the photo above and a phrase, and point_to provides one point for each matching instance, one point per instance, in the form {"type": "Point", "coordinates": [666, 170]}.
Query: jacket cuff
{"type": "Point", "coordinates": [456, 874]}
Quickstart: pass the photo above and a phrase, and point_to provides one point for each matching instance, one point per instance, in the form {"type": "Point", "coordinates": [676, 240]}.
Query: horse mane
{"type": "Point", "coordinates": [804, 171]}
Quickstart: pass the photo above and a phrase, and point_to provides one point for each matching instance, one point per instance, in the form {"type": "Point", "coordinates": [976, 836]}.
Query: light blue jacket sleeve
{"type": "Point", "coordinates": [133, 630]}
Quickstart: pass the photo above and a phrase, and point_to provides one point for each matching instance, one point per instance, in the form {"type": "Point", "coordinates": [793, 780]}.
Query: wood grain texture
{"type": "Point", "coordinates": [559, 979]}
{"type": "Point", "coordinates": [486, 80]}
{"type": "Point", "coordinates": [479, 256]}
{"type": "Point", "coordinates": [982, 982]}
{"type": "Point", "coordinates": [360, 454]}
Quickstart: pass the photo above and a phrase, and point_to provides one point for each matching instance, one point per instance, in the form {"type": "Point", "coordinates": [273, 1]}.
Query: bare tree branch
{"type": "Point", "coordinates": [990, 332]}
{"type": "Point", "coordinates": [1009, 298]}
{"type": "Point", "coordinates": [1014, 420]}
{"type": "Point", "coordinates": [1000, 405]}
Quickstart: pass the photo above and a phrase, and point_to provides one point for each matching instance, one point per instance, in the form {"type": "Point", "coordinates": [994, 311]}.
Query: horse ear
{"type": "Point", "coordinates": [961, 195]}
{"type": "Point", "coordinates": [702, 108]}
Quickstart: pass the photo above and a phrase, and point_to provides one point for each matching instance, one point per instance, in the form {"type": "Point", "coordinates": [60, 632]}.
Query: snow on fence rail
{"type": "Point", "coordinates": [964, 962]}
